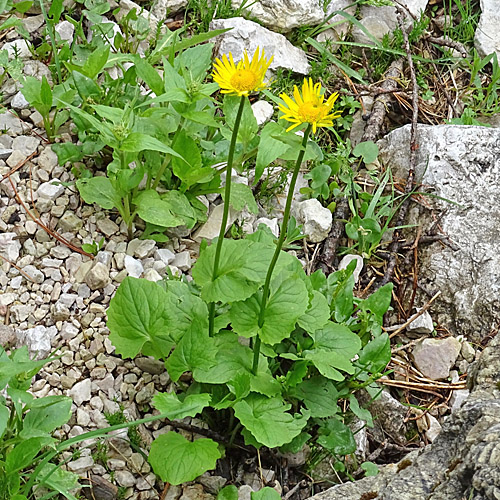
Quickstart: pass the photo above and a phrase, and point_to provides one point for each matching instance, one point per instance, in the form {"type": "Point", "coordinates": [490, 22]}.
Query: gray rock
{"type": "Point", "coordinates": [81, 465]}
{"type": "Point", "coordinates": [487, 36]}
{"type": "Point", "coordinates": [36, 275]}
{"type": "Point", "coordinates": [467, 172]}
{"type": "Point", "coordinates": [100, 489]}
{"type": "Point", "coordinates": [65, 30]}
{"type": "Point", "coordinates": [435, 357]}
{"type": "Point", "coordinates": [133, 266]}
{"type": "Point", "coordinates": [125, 478]}
{"type": "Point", "coordinates": [272, 224]}
{"type": "Point", "coordinates": [182, 261]}
{"type": "Point", "coordinates": [107, 227]}
{"type": "Point", "coordinates": [10, 246]}
{"type": "Point", "coordinates": [7, 336]}
{"type": "Point", "coordinates": [346, 260]}
{"type": "Point", "coordinates": [468, 352]}
{"type": "Point", "coordinates": [165, 255]}
{"type": "Point", "coordinates": [161, 8]}
{"type": "Point", "coordinates": [152, 275]}
{"type": "Point", "coordinates": [70, 223]}
{"type": "Point", "coordinates": [25, 144]}
{"type": "Point", "coordinates": [19, 102]}
{"type": "Point", "coordinates": [462, 461]}
{"type": "Point", "coordinates": [263, 112]}
{"type": "Point", "coordinates": [97, 277]}
{"type": "Point", "coordinates": [141, 248]}
{"type": "Point", "coordinates": [421, 325]}
{"type": "Point", "coordinates": [339, 24]}
{"type": "Point", "coordinates": [249, 35]}
{"type": "Point", "coordinates": [17, 49]}
{"type": "Point", "coordinates": [81, 392]}
{"type": "Point", "coordinates": [284, 15]}
{"type": "Point", "coordinates": [11, 123]}
{"type": "Point", "coordinates": [50, 191]}
{"type": "Point", "coordinates": [47, 160]}
{"type": "Point", "coordinates": [150, 365]}
{"type": "Point", "coordinates": [38, 340]}
{"type": "Point", "coordinates": [5, 153]}
{"type": "Point", "coordinates": [317, 220]}
{"type": "Point", "coordinates": [211, 228]}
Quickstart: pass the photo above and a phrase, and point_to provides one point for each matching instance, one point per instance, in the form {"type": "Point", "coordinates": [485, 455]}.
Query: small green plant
{"type": "Point", "coordinates": [93, 247]}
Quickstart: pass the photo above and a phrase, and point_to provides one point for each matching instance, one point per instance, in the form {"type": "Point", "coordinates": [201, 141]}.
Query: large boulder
{"type": "Point", "coordinates": [487, 36]}
{"type": "Point", "coordinates": [460, 167]}
{"type": "Point", "coordinates": [462, 462]}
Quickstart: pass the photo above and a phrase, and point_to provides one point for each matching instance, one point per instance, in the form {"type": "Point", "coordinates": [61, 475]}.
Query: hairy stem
{"type": "Point", "coordinates": [225, 213]}
{"type": "Point", "coordinates": [279, 246]}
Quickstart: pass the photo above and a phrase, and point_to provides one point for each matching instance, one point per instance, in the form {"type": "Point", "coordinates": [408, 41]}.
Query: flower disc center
{"type": "Point", "coordinates": [310, 112]}
{"type": "Point", "coordinates": [244, 80]}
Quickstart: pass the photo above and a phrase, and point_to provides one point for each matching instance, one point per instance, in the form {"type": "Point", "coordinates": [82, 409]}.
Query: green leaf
{"type": "Point", "coordinates": [137, 319]}
{"type": "Point", "coordinates": [60, 480]}
{"type": "Point", "coordinates": [367, 229]}
{"type": "Point", "coordinates": [375, 355]}
{"type": "Point", "coordinates": [336, 437]}
{"type": "Point", "coordinates": [270, 147]}
{"type": "Point", "coordinates": [98, 190]}
{"type": "Point", "coordinates": [96, 61]}
{"type": "Point", "coordinates": [268, 419]}
{"type": "Point", "coordinates": [149, 74]}
{"type": "Point", "coordinates": [136, 142]}
{"type": "Point", "coordinates": [151, 208]}
{"type": "Point", "coordinates": [287, 302]}
{"type": "Point", "coordinates": [177, 460]}
{"type": "Point", "coordinates": [242, 270]}
{"type": "Point", "coordinates": [361, 413]}
{"type": "Point", "coordinates": [319, 395]}
{"type": "Point", "coordinates": [46, 93]}
{"type": "Point", "coordinates": [241, 197]}
{"type": "Point", "coordinates": [170, 404]}
{"type": "Point", "coordinates": [181, 207]}
{"type": "Point", "coordinates": [265, 493]}
{"type": "Point", "coordinates": [228, 493]}
{"type": "Point", "coordinates": [46, 415]}
{"type": "Point", "coordinates": [22, 455]}
{"type": "Point", "coordinates": [368, 150]}
{"type": "Point", "coordinates": [296, 444]}
{"type": "Point", "coordinates": [317, 313]}
{"type": "Point", "coordinates": [378, 303]}
{"type": "Point", "coordinates": [370, 468]}
{"type": "Point", "coordinates": [85, 86]}
{"type": "Point", "coordinates": [4, 418]}
{"type": "Point", "coordinates": [195, 350]}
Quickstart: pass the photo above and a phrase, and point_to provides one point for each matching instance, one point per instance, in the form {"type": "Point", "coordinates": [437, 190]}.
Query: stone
{"type": "Point", "coordinates": [211, 228]}
{"type": "Point", "coordinates": [487, 36]}
{"type": "Point", "coordinates": [463, 459]}
{"type": "Point", "coordinates": [81, 392]}
{"type": "Point", "coordinates": [38, 340]}
{"type": "Point", "coordinates": [50, 191]}
{"type": "Point", "coordinates": [165, 255]}
{"type": "Point", "coordinates": [433, 427]}
{"type": "Point", "coordinates": [70, 223]}
{"type": "Point", "coordinates": [317, 220]}
{"type": "Point", "coordinates": [182, 261]}
{"type": "Point", "coordinates": [65, 30]}
{"type": "Point", "coordinates": [152, 275]}
{"type": "Point", "coordinates": [467, 351]}
{"type": "Point", "coordinates": [47, 160]}
{"type": "Point", "coordinates": [133, 266]}
{"type": "Point", "coordinates": [435, 357]}
{"type": "Point", "coordinates": [7, 336]}
{"type": "Point", "coordinates": [127, 5]}
{"type": "Point", "coordinates": [161, 8]}
{"type": "Point", "coordinates": [11, 123]}
{"type": "Point", "coordinates": [263, 112]}
{"type": "Point", "coordinates": [421, 325]}
{"type": "Point", "coordinates": [141, 248]}
{"type": "Point", "coordinates": [5, 153]}
{"type": "Point", "coordinates": [17, 49]}
{"type": "Point", "coordinates": [25, 144]}
{"type": "Point", "coordinates": [466, 172]}
{"type": "Point", "coordinates": [36, 275]}
{"type": "Point", "coordinates": [150, 365]}
{"type": "Point", "coordinates": [284, 15]}
{"type": "Point", "coordinates": [19, 102]}
{"type": "Point", "coordinates": [100, 489]}
{"type": "Point", "coordinates": [249, 35]}
{"type": "Point", "coordinates": [97, 277]}
{"type": "Point", "coordinates": [272, 224]}
{"type": "Point", "coordinates": [107, 227]}
{"type": "Point", "coordinates": [339, 25]}
{"type": "Point", "coordinates": [347, 259]}
{"type": "Point", "coordinates": [81, 465]}
{"type": "Point", "coordinates": [10, 246]}
{"type": "Point", "coordinates": [125, 478]}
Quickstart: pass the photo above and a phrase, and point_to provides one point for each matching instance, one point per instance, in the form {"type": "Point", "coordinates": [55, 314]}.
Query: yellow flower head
{"type": "Point", "coordinates": [310, 107]}
{"type": "Point", "coordinates": [245, 77]}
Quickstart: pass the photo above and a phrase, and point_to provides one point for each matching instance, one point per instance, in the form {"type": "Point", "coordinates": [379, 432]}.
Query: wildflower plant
{"type": "Point", "coordinates": [270, 349]}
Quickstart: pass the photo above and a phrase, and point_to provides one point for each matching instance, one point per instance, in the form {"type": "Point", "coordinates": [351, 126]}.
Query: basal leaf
{"type": "Point", "coordinates": [47, 414]}
{"type": "Point", "coordinates": [378, 303]}
{"type": "Point", "coordinates": [174, 408]}
{"type": "Point", "coordinates": [265, 493]}
{"type": "Point", "coordinates": [336, 437]}
{"type": "Point", "coordinates": [287, 302]}
{"type": "Point", "coordinates": [268, 420]}
{"type": "Point", "coordinates": [228, 493]}
{"type": "Point", "coordinates": [375, 355]}
{"type": "Point", "coordinates": [176, 460]}
{"type": "Point", "coordinates": [241, 197]}
{"type": "Point", "coordinates": [317, 313]}
{"type": "Point", "coordinates": [98, 190]}
{"type": "Point", "coordinates": [151, 208]}
{"type": "Point", "coordinates": [361, 413]}
{"type": "Point", "coordinates": [136, 142]}
{"type": "Point", "coordinates": [242, 270]}
{"type": "Point", "coordinates": [137, 319]}
{"type": "Point", "coordinates": [4, 418]}
{"type": "Point", "coordinates": [319, 395]}
{"type": "Point", "coordinates": [270, 147]}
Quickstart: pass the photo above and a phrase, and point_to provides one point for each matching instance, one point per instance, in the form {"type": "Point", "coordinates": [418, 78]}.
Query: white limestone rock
{"type": "Point", "coordinates": [435, 357]}
{"type": "Point", "coordinates": [317, 219]}
{"type": "Point", "coordinates": [263, 112]}
{"type": "Point", "coordinates": [283, 15]}
{"type": "Point", "coordinates": [487, 37]}
{"type": "Point", "coordinates": [249, 35]}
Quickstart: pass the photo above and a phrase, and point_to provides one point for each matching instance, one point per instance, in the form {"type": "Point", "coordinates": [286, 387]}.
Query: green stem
{"type": "Point", "coordinates": [167, 157]}
{"type": "Point", "coordinates": [225, 213]}
{"type": "Point", "coordinates": [50, 29]}
{"type": "Point", "coordinates": [279, 246]}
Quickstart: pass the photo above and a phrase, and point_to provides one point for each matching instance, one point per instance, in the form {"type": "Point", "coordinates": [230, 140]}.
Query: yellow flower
{"type": "Point", "coordinates": [245, 77]}
{"type": "Point", "coordinates": [310, 107]}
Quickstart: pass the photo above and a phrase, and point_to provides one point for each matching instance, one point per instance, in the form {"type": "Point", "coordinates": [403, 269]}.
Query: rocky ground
{"type": "Point", "coordinates": [53, 297]}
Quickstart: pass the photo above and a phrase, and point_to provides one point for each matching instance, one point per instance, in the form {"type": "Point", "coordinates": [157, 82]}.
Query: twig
{"type": "Point", "coordinates": [394, 248]}
{"type": "Point", "coordinates": [165, 491]}
{"type": "Point", "coordinates": [448, 42]}
{"type": "Point", "coordinates": [398, 328]}
{"type": "Point", "coordinates": [300, 484]}
{"type": "Point", "coordinates": [403, 384]}
{"type": "Point", "coordinates": [18, 166]}
{"type": "Point", "coordinates": [17, 267]}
